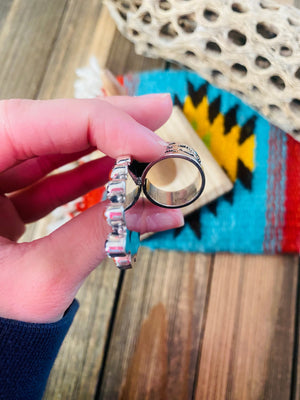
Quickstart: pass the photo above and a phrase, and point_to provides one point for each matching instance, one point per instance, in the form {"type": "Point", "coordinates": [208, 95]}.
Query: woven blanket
{"type": "Point", "coordinates": [262, 212]}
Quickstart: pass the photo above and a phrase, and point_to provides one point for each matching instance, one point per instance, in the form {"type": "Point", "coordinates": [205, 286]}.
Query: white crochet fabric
{"type": "Point", "coordinates": [249, 47]}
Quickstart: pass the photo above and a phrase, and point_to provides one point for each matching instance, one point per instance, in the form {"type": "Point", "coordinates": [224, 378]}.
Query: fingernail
{"type": "Point", "coordinates": [164, 220]}
{"type": "Point", "coordinates": [160, 221]}
{"type": "Point", "coordinates": [161, 141]}
{"type": "Point", "coordinates": [164, 95]}
{"type": "Point", "coordinates": [156, 95]}
{"type": "Point", "coordinates": [157, 139]}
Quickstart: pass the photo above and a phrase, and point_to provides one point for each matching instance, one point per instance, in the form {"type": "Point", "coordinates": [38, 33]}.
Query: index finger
{"type": "Point", "coordinates": [34, 128]}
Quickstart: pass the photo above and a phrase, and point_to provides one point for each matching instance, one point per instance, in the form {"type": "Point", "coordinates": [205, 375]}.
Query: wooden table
{"type": "Point", "coordinates": [179, 326]}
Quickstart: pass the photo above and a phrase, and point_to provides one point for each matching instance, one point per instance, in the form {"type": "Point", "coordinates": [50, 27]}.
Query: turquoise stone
{"type": "Point", "coordinates": [132, 242]}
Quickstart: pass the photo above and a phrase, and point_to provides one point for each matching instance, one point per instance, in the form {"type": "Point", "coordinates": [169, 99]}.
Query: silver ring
{"type": "Point", "coordinates": [180, 177]}
{"type": "Point", "coordinates": [129, 178]}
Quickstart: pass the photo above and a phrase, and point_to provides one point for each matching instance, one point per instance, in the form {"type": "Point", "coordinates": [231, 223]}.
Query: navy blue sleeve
{"type": "Point", "coordinates": [27, 353]}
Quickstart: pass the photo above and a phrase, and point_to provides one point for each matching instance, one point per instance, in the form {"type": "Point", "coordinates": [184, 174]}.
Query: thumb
{"type": "Point", "coordinates": [78, 245]}
{"type": "Point", "coordinates": [71, 252]}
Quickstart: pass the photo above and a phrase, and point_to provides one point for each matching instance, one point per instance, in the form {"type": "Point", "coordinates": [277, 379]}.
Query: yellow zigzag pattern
{"type": "Point", "coordinates": [225, 148]}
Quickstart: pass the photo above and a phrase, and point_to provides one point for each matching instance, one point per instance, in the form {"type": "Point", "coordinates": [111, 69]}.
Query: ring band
{"type": "Point", "coordinates": [191, 185]}
{"type": "Point", "coordinates": [185, 195]}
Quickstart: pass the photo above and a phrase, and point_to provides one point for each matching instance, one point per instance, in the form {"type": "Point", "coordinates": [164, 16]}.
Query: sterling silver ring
{"type": "Point", "coordinates": [174, 180]}
{"type": "Point", "coordinates": [170, 181]}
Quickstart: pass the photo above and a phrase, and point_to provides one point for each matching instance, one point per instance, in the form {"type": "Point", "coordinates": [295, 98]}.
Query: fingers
{"type": "Point", "coordinates": [78, 246]}
{"type": "Point", "coordinates": [147, 116]}
{"type": "Point", "coordinates": [43, 197]}
{"type": "Point", "coordinates": [11, 227]}
{"type": "Point", "coordinates": [44, 275]}
{"type": "Point", "coordinates": [147, 217]}
{"type": "Point", "coordinates": [34, 128]}
{"type": "Point", "coordinates": [30, 171]}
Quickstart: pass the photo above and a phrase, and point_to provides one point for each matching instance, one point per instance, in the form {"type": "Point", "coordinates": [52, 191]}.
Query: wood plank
{"type": "Point", "coordinates": [155, 341]}
{"type": "Point", "coordinates": [5, 6]}
{"type": "Point", "coordinates": [248, 340]}
{"type": "Point", "coordinates": [76, 369]}
{"type": "Point", "coordinates": [85, 31]}
{"type": "Point", "coordinates": [24, 52]}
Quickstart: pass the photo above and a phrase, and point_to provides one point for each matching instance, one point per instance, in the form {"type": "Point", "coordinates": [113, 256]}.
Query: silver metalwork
{"type": "Point", "coordinates": [115, 245]}
{"type": "Point", "coordinates": [184, 195]}
{"type": "Point", "coordinates": [139, 174]}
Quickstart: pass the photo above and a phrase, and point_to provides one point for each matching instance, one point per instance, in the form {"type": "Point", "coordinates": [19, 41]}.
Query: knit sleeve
{"type": "Point", "coordinates": [27, 353]}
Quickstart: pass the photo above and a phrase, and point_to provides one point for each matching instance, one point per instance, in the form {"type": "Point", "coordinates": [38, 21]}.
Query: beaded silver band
{"type": "Point", "coordinates": [115, 245]}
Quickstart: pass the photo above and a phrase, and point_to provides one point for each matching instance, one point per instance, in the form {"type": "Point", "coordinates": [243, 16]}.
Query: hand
{"type": "Point", "coordinates": [39, 280]}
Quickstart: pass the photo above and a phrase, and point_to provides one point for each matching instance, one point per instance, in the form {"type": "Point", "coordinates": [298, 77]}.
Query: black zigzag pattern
{"type": "Point", "coordinates": [244, 175]}
{"type": "Point", "coordinates": [247, 129]}
{"type": "Point", "coordinates": [214, 109]}
{"type": "Point", "coordinates": [193, 220]}
{"type": "Point", "coordinates": [230, 119]}
{"type": "Point", "coordinates": [177, 102]}
{"type": "Point", "coordinates": [197, 95]}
